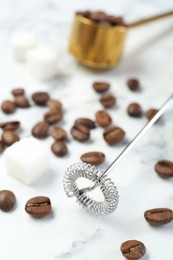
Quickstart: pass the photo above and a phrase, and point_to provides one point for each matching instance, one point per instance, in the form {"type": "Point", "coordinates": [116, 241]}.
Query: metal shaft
{"type": "Point", "coordinates": [150, 19]}
{"type": "Point", "coordinates": [131, 144]}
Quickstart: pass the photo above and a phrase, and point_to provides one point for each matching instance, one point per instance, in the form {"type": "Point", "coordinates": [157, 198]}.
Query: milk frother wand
{"type": "Point", "coordinates": [99, 178]}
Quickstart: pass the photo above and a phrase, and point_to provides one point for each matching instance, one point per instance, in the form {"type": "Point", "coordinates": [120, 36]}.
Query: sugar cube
{"type": "Point", "coordinates": [42, 62]}
{"type": "Point", "coordinates": [26, 160]}
{"type": "Point", "coordinates": [21, 42]}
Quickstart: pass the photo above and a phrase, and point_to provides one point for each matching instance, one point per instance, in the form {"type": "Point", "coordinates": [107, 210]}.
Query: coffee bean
{"type": "Point", "coordinates": [113, 135]}
{"type": "Point", "coordinates": [86, 122]}
{"type": "Point", "coordinates": [2, 147]}
{"type": "Point", "coordinates": [38, 206]}
{"type": "Point", "coordinates": [40, 98]}
{"type": "Point", "coordinates": [58, 133]}
{"type": "Point", "coordinates": [7, 200]}
{"type": "Point", "coordinates": [103, 118]}
{"type": "Point", "coordinates": [8, 107]}
{"type": "Point", "coordinates": [9, 137]}
{"type": "Point", "coordinates": [101, 87]}
{"type": "Point", "coordinates": [80, 133]}
{"type": "Point", "coordinates": [108, 100]}
{"type": "Point", "coordinates": [18, 92]}
{"type": "Point", "coordinates": [158, 216]}
{"type": "Point", "coordinates": [115, 21]}
{"type": "Point", "coordinates": [85, 14]}
{"type": "Point", "coordinates": [94, 158]}
{"type": "Point", "coordinates": [133, 84]}
{"type": "Point", "coordinates": [59, 148]}
{"type": "Point", "coordinates": [134, 110]}
{"type": "Point", "coordinates": [151, 113]}
{"type": "Point", "coordinates": [164, 168]}
{"type": "Point", "coordinates": [40, 130]}
{"type": "Point", "coordinates": [133, 249]}
{"type": "Point", "coordinates": [98, 16]}
{"type": "Point", "coordinates": [10, 125]}
{"type": "Point", "coordinates": [54, 104]}
{"type": "Point", "coordinates": [21, 101]}
{"type": "Point", "coordinates": [53, 116]}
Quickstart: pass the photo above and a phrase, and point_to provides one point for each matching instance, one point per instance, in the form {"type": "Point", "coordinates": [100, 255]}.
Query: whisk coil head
{"type": "Point", "coordinates": [107, 187]}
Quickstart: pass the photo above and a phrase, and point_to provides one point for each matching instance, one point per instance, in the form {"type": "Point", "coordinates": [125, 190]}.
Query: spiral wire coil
{"type": "Point", "coordinates": [107, 187]}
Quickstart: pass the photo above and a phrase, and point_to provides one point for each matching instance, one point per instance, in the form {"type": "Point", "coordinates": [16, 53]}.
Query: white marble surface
{"type": "Point", "coordinates": [72, 233]}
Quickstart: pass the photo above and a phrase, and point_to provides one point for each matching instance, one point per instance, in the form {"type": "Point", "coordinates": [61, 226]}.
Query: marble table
{"type": "Point", "coordinates": [71, 232]}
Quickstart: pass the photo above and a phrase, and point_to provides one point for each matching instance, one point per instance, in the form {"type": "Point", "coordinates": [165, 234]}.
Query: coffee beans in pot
{"type": "Point", "coordinates": [8, 107]}
{"type": "Point", "coordinates": [113, 135]}
{"type": "Point", "coordinates": [133, 249]}
{"type": "Point", "coordinates": [94, 158]}
{"type": "Point", "coordinates": [7, 200]}
{"type": "Point", "coordinates": [164, 168]}
{"type": "Point", "coordinates": [9, 137]}
{"type": "Point", "coordinates": [38, 206]}
{"type": "Point", "coordinates": [40, 130]}
{"type": "Point", "coordinates": [59, 148]}
{"type": "Point", "coordinates": [103, 118]}
{"type": "Point", "coordinates": [40, 98]}
{"type": "Point", "coordinates": [158, 216]}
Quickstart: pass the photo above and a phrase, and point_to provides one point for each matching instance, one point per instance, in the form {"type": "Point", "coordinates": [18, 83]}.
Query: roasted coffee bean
{"type": "Point", "coordinates": [164, 168]}
{"type": "Point", "coordinates": [103, 118]}
{"type": "Point", "coordinates": [53, 116]}
{"type": "Point", "coordinates": [134, 110]}
{"type": "Point", "coordinates": [80, 132]}
{"type": "Point", "coordinates": [18, 92]}
{"type": "Point", "coordinates": [86, 122]}
{"type": "Point", "coordinates": [10, 125]}
{"type": "Point", "coordinates": [59, 148]}
{"type": "Point", "coordinates": [40, 130]}
{"type": "Point", "coordinates": [151, 113]}
{"type": "Point", "coordinates": [40, 98]}
{"type": "Point", "coordinates": [101, 87]}
{"type": "Point", "coordinates": [58, 134]}
{"type": "Point", "coordinates": [38, 206]}
{"type": "Point", "coordinates": [98, 16]}
{"type": "Point", "coordinates": [133, 249]}
{"type": "Point", "coordinates": [85, 14]}
{"type": "Point", "coordinates": [54, 104]}
{"type": "Point", "coordinates": [9, 137]}
{"type": "Point", "coordinates": [7, 200]}
{"type": "Point", "coordinates": [113, 135]}
{"type": "Point", "coordinates": [21, 101]}
{"type": "Point", "coordinates": [8, 107]}
{"type": "Point", "coordinates": [94, 158]}
{"type": "Point", "coordinates": [116, 21]}
{"type": "Point", "coordinates": [158, 216]}
{"type": "Point", "coordinates": [2, 147]}
{"type": "Point", "coordinates": [108, 100]}
{"type": "Point", "coordinates": [133, 84]}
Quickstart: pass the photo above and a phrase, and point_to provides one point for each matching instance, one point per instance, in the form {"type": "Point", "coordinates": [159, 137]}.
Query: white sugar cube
{"type": "Point", "coordinates": [26, 160]}
{"type": "Point", "coordinates": [42, 62]}
{"type": "Point", "coordinates": [21, 43]}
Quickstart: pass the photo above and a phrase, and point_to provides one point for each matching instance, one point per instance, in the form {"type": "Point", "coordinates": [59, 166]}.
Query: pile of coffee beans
{"type": "Point", "coordinates": [102, 18]}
